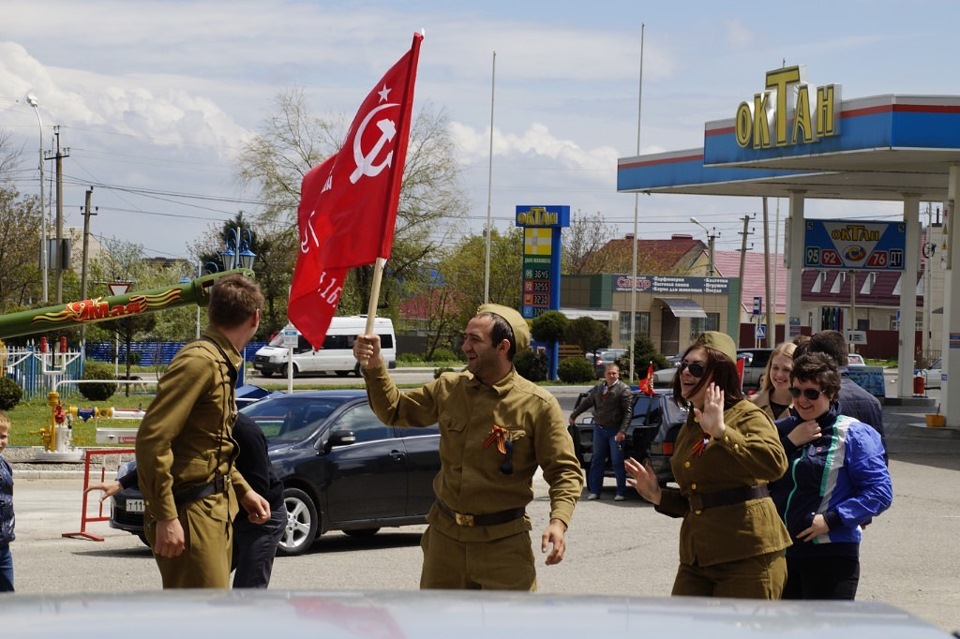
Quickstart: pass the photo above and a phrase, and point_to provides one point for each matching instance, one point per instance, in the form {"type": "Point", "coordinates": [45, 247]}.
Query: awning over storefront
{"type": "Point", "coordinates": [682, 307]}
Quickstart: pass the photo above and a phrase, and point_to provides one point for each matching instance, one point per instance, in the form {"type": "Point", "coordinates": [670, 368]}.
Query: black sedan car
{"type": "Point", "coordinates": [651, 415]}
{"type": "Point", "coordinates": [342, 469]}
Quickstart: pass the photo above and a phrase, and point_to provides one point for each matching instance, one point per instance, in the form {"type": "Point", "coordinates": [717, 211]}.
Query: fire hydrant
{"type": "Point", "coordinates": [919, 384]}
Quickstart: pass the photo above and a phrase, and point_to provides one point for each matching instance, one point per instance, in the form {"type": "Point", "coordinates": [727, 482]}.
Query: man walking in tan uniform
{"type": "Point", "coordinates": [496, 428]}
{"type": "Point", "coordinates": [185, 449]}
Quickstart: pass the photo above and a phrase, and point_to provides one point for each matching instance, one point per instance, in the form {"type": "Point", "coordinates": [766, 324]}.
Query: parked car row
{"type": "Point", "coordinates": [754, 363]}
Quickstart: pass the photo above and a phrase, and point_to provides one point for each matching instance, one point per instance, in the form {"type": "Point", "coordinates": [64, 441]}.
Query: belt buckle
{"type": "Point", "coordinates": [463, 520]}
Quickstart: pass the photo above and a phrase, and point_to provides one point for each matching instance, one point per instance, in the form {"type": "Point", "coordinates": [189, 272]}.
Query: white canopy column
{"type": "Point", "coordinates": [794, 246]}
{"type": "Point", "coordinates": [951, 307]}
{"type": "Point", "coordinates": [908, 296]}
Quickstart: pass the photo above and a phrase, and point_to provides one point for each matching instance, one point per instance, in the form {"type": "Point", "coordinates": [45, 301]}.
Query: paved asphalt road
{"type": "Point", "coordinates": [910, 555]}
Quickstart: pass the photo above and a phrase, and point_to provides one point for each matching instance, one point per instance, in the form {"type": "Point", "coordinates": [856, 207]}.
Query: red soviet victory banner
{"type": "Point", "coordinates": [348, 203]}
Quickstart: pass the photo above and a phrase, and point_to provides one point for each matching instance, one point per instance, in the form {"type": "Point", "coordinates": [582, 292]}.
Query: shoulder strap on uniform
{"type": "Point", "coordinates": [230, 367]}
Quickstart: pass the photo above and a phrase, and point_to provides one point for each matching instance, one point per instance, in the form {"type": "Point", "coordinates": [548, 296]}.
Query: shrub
{"type": "Point", "coordinates": [10, 393]}
{"type": "Point", "coordinates": [443, 355]}
{"type": "Point", "coordinates": [437, 372]}
{"type": "Point", "coordinates": [97, 392]}
{"type": "Point", "coordinates": [532, 366]}
{"type": "Point", "coordinates": [409, 358]}
{"type": "Point", "coordinates": [575, 370]}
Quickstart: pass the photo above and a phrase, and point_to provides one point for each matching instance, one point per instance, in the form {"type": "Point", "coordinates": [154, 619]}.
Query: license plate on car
{"type": "Point", "coordinates": [134, 506]}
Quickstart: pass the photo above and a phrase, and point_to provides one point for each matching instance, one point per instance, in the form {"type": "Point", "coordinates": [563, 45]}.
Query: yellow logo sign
{"type": "Point", "coordinates": [788, 112]}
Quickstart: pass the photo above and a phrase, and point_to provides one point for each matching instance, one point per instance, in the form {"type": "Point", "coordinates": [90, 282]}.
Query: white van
{"type": "Point", "coordinates": [335, 355]}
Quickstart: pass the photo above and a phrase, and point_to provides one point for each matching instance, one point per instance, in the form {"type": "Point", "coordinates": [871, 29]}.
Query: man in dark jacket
{"type": "Point", "coordinates": [612, 403]}
{"type": "Point", "coordinates": [255, 545]}
{"type": "Point", "coordinates": [853, 400]}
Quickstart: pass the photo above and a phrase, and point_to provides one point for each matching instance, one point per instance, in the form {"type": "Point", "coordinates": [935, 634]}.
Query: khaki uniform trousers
{"type": "Point", "coordinates": [208, 547]}
{"type": "Point", "coordinates": [501, 564]}
{"type": "Point", "coordinates": [759, 577]}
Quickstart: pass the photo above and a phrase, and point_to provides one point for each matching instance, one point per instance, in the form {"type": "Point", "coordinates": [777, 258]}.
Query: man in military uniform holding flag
{"type": "Point", "coordinates": [496, 428]}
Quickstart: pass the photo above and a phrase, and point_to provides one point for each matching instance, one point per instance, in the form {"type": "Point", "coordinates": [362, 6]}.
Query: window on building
{"type": "Point", "coordinates": [643, 325]}
{"type": "Point", "coordinates": [838, 282]}
{"type": "Point", "coordinates": [699, 325]}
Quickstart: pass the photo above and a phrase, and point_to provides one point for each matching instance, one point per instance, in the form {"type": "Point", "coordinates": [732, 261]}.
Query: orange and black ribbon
{"type": "Point", "coordinates": [701, 444]}
{"type": "Point", "coordinates": [498, 435]}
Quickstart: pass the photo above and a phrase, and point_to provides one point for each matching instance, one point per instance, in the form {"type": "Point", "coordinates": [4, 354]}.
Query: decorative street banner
{"type": "Point", "coordinates": [846, 245]}
{"type": "Point", "coordinates": [541, 257]}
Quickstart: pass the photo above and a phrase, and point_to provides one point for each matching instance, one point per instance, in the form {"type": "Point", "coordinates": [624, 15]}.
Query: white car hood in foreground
{"type": "Point", "coordinates": [438, 614]}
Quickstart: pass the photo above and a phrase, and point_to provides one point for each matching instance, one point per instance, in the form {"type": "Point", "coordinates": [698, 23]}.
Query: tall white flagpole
{"type": "Point", "coordinates": [486, 267]}
{"type": "Point", "coordinates": [636, 216]}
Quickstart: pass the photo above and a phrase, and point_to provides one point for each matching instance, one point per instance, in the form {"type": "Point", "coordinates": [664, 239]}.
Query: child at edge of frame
{"type": "Point", "coordinates": [6, 510]}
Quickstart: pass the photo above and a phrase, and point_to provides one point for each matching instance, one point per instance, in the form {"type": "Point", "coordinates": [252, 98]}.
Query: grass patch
{"type": "Point", "coordinates": [31, 416]}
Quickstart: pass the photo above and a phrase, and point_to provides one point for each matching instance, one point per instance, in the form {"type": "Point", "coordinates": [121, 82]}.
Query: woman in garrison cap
{"type": "Point", "coordinates": [732, 541]}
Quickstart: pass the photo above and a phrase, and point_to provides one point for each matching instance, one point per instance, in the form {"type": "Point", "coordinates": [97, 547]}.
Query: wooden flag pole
{"type": "Point", "coordinates": [374, 294]}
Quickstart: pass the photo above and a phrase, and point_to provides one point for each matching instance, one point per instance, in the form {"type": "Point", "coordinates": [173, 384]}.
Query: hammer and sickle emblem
{"type": "Point", "coordinates": [365, 165]}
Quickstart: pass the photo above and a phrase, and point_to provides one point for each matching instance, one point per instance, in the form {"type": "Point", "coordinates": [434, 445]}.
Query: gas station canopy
{"type": "Point", "coordinates": [885, 147]}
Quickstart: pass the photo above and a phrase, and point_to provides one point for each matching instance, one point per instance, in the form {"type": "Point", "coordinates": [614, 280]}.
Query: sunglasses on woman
{"type": "Point", "coordinates": [697, 369]}
{"type": "Point", "coordinates": [810, 393]}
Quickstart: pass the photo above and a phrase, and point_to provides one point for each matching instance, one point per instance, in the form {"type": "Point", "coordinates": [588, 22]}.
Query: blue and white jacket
{"type": "Point", "coordinates": [6, 503]}
{"type": "Point", "coordinates": [842, 475]}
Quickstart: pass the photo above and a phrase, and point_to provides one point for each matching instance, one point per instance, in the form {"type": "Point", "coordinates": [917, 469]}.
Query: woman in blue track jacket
{"type": "Point", "coordinates": [836, 480]}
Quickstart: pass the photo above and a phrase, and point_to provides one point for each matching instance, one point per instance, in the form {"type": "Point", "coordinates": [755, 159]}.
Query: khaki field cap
{"type": "Point", "coordinates": [719, 342]}
{"type": "Point", "coordinates": [521, 330]}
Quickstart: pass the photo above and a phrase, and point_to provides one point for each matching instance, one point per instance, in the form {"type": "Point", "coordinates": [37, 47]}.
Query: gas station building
{"type": "Point", "coordinates": [800, 142]}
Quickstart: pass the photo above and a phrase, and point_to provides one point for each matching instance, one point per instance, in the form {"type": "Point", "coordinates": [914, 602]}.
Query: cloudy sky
{"type": "Point", "coordinates": [154, 98]}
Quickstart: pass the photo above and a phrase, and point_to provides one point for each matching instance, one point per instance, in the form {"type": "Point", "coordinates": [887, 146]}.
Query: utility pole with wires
{"type": "Point", "coordinates": [62, 257]}
{"type": "Point", "coordinates": [87, 212]}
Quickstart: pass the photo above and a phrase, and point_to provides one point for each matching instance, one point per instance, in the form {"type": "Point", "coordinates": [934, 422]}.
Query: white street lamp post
{"type": "Point", "coordinates": [32, 101]}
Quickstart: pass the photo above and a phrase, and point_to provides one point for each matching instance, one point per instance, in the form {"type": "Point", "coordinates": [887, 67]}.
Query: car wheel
{"type": "Point", "coordinates": [362, 532]}
{"type": "Point", "coordinates": [143, 538]}
{"type": "Point", "coordinates": [266, 373]}
{"type": "Point", "coordinates": [302, 522]}
{"type": "Point", "coordinates": [342, 373]}
{"type": "Point", "coordinates": [356, 370]}
{"type": "Point", "coordinates": [283, 371]}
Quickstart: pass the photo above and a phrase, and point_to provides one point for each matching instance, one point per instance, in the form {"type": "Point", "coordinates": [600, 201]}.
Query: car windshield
{"type": "Point", "coordinates": [291, 418]}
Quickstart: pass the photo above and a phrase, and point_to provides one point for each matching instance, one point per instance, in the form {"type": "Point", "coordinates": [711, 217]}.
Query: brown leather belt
{"type": "Point", "coordinates": [486, 519]}
{"type": "Point", "coordinates": [727, 497]}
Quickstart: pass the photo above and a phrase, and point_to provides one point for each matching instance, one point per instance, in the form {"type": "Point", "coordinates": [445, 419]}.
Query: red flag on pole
{"type": "Point", "coordinates": [348, 203]}
{"type": "Point", "coordinates": [646, 384]}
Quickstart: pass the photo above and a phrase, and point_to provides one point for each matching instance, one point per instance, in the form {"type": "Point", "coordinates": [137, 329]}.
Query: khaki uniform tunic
{"type": "Point", "coordinates": [183, 442]}
{"type": "Point", "coordinates": [470, 479]}
{"type": "Point", "coordinates": [749, 454]}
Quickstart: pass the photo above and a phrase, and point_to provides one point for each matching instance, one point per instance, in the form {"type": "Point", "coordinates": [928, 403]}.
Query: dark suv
{"type": "Point", "coordinates": [650, 412]}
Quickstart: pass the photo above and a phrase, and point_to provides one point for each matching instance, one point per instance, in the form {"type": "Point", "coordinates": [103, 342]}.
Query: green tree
{"type": "Point", "coordinates": [275, 248]}
{"type": "Point", "coordinates": [644, 352]}
{"type": "Point", "coordinates": [463, 271]}
{"type": "Point", "coordinates": [20, 278]}
{"type": "Point", "coordinates": [549, 327]}
{"type": "Point", "coordinates": [588, 334]}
